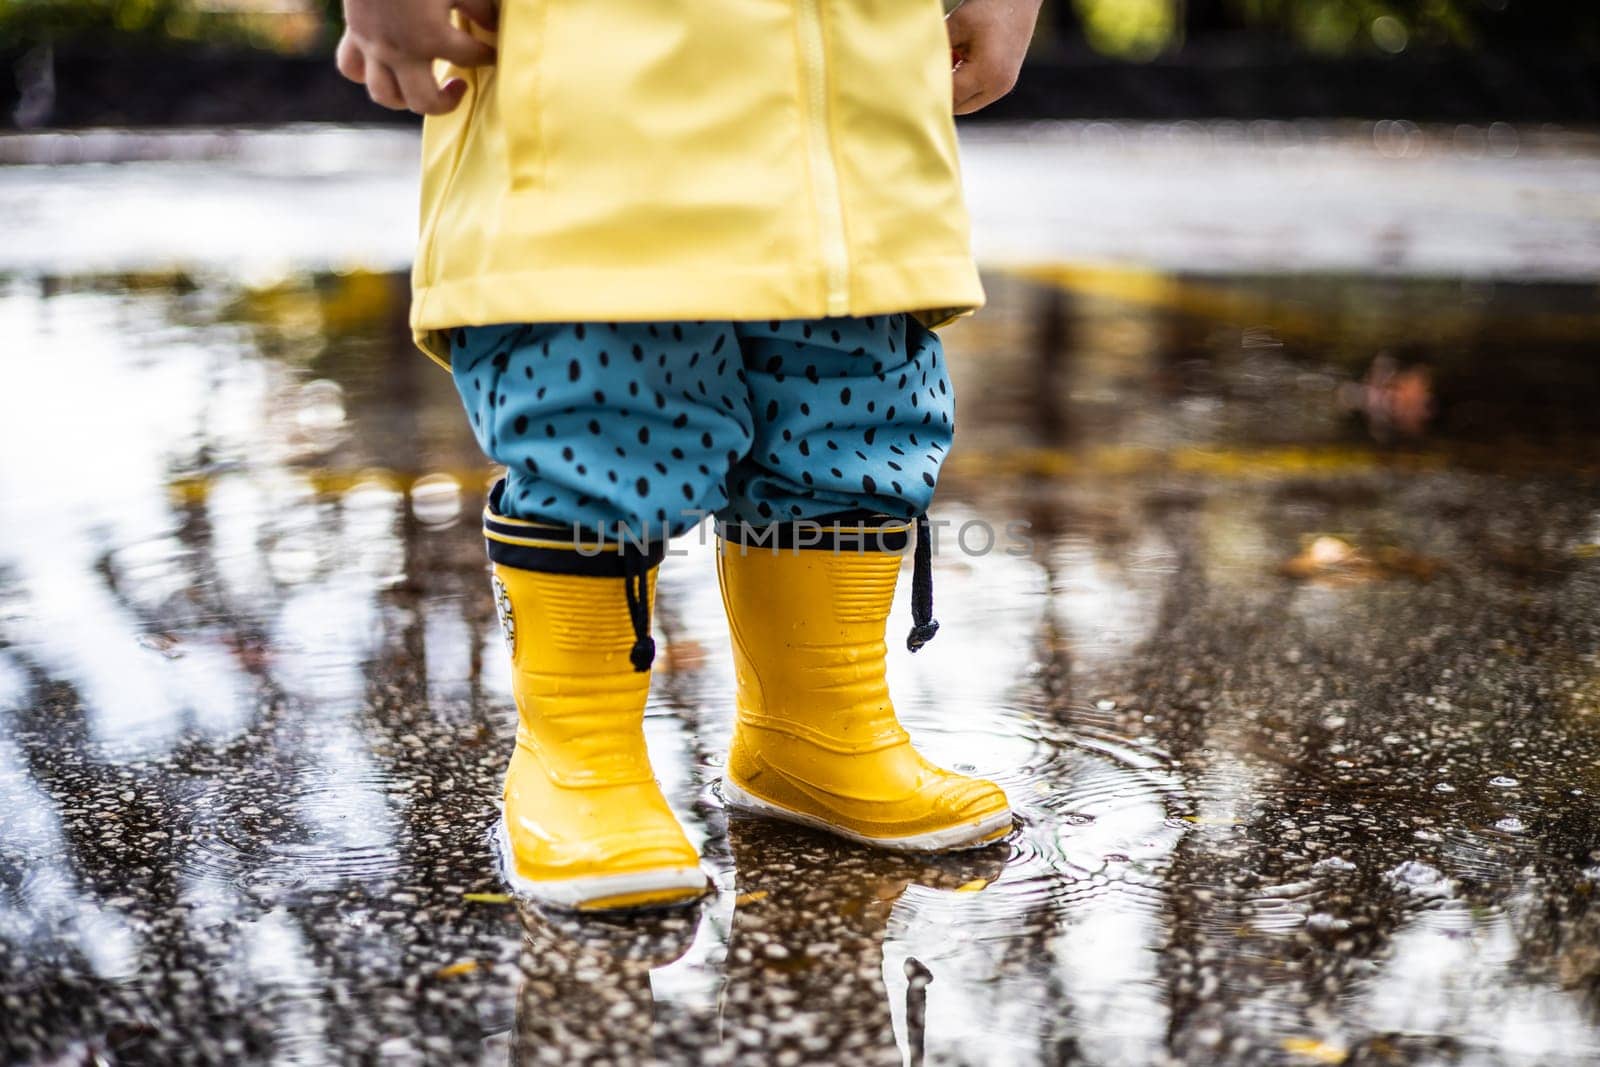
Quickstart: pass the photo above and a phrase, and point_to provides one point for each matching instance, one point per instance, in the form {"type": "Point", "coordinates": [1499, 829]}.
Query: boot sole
{"type": "Point", "coordinates": [668, 887]}
{"type": "Point", "coordinates": [955, 839]}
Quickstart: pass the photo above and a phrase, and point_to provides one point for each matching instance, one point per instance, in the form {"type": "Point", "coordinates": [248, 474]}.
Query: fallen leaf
{"type": "Point", "coordinates": [1326, 556]}
{"type": "Point", "coordinates": [750, 898]}
{"type": "Point", "coordinates": [1333, 559]}
{"type": "Point", "coordinates": [486, 898]}
{"type": "Point", "coordinates": [455, 970]}
{"type": "Point", "coordinates": [1312, 1049]}
{"type": "Point", "coordinates": [977, 885]}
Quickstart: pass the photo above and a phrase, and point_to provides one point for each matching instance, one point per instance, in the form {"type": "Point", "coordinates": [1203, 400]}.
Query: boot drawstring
{"type": "Point", "coordinates": [924, 625]}
{"type": "Point", "coordinates": [636, 585]}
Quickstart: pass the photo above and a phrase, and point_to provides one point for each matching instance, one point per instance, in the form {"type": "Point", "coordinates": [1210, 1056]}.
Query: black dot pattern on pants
{"type": "Point", "coordinates": [862, 417]}
{"type": "Point", "coordinates": [708, 416]}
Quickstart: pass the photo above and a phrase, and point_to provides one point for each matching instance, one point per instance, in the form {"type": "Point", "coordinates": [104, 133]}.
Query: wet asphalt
{"type": "Point", "coordinates": [1294, 681]}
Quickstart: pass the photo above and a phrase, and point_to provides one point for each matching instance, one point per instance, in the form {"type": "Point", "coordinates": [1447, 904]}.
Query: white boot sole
{"type": "Point", "coordinates": [954, 839]}
{"type": "Point", "coordinates": [580, 894]}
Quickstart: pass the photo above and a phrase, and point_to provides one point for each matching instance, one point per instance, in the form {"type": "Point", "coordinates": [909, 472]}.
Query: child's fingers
{"type": "Point", "coordinates": [979, 81]}
{"type": "Point", "coordinates": [958, 25]}
{"type": "Point", "coordinates": [352, 64]}
{"type": "Point", "coordinates": [463, 49]}
{"type": "Point", "coordinates": [966, 46]}
{"type": "Point", "coordinates": [453, 91]}
{"type": "Point", "coordinates": [975, 85]}
{"type": "Point", "coordinates": [422, 93]}
{"type": "Point", "coordinates": [967, 84]}
{"type": "Point", "coordinates": [384, 88]}
{"type": "Point", "coordinates": [976, 100]}
{"type": "Point", "coordinates": [480, 11]}
{"type": "Point", "coordinates": [989, 53]}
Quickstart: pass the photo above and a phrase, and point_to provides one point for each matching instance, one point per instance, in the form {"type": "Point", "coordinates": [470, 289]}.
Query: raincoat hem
{"type": "Point", "coordinates": [936, 291]}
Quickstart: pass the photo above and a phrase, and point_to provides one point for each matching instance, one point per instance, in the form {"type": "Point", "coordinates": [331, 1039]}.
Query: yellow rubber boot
{"type": "Point", "coordinates": [585, 825]}
{"type": "Point", "coordinates": [816, 739]}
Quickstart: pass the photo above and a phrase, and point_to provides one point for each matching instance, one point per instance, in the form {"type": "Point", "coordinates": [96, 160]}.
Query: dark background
{"type": "Point", "coordinates": [160, 62]}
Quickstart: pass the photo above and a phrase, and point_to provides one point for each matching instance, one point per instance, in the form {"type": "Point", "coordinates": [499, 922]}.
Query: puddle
{"type": "Point", "coordinates": [1294, 688]}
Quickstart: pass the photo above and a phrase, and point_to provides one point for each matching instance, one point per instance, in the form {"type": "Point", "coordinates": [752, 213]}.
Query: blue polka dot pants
{"type": "Point", "coordinates": [640, 428]}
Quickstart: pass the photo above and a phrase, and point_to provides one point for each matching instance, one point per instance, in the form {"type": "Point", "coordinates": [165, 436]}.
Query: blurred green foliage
{"type": "Point", "coordinates": [1143, 29]}
{"type": "Point", "coordinates": [1128, 29]}
{"type": "Point", "coordinates": [32, 21]}
{"type": "Point", "coordinates": [168, 22]}
{"type": "Point", "coordinates": [1135, 29]}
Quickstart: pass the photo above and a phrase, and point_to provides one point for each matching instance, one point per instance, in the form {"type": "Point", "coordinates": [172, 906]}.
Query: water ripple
{"type": "Point", "coordinates": [318, 832]}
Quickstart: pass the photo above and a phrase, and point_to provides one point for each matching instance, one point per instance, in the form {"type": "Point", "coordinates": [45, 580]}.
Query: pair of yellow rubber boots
{"type": "Point", "coordinates": [816, 741]}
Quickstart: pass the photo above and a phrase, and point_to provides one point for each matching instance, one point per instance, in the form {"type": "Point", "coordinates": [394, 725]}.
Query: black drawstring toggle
{"type": "Point", "coordinates": [643, 654]}
{"type": "Point", "coordinates": [924, 626]}
{"type": "Point", "coordinates": [636, 585]}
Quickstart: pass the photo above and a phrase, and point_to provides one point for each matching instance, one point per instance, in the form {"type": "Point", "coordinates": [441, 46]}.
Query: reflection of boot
{"type": "Point", "coordinates": [586, 985]}
{"type": "Point", "coordinates": [817, 741]}
{"type": "Point", "coordinates": [585, 823]}
{"type": "Point", "coordinates": [806, 947]}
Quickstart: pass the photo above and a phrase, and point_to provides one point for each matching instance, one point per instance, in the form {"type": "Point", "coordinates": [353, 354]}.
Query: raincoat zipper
{"type": "Point", "coordinates": [824, 170]}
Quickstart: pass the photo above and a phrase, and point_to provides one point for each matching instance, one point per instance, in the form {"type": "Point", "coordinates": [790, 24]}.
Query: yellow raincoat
{"type": "Point", "coordinates": [697, 159]}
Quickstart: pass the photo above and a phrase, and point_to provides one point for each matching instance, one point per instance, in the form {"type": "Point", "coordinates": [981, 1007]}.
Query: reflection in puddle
{"type": "Point", "coordinates": [254, 703]}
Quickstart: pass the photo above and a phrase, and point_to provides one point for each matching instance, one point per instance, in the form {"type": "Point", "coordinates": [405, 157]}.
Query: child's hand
{"type": "Point", "coordinates": [988, 39]}
{"type": "Point", "coordinates": [390, 45]}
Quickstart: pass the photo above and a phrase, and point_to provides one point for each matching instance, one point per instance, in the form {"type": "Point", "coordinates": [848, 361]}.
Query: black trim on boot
{"type": "Point", "coordinates": [841, 531]}
{"type": "Point", "coordinates": [551, 548]}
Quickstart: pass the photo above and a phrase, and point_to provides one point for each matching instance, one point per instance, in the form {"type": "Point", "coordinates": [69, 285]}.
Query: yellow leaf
{"type": "Point", "coordinates": [486, 898]}
{"type": "Point", "coordinates": [749, 898]}
{"type": "Point", "coordinates": [977, 885]}
{"type": "Point", "coordinates": [455, 970]}
{"type": "Point", "coordinates": [1312, 1049]}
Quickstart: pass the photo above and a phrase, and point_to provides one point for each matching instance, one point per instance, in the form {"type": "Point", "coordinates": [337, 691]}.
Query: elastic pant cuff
{"type": "Point", "coordinates": [852, 531]}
